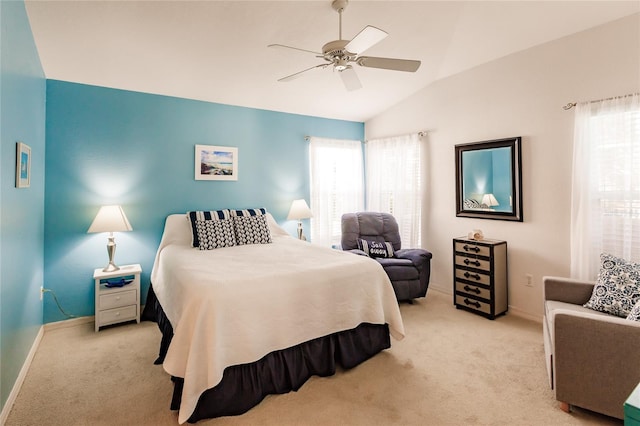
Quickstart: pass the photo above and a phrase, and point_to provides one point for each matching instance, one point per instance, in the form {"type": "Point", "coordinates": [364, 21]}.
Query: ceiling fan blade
{"type": "Point", "coordinates": [407, 65]}
{"type": "Point", "coordinates": [365, 39]}
{"type": "Point", "coordinates": [299, 73]}
{"type": "Point", "coordinates": [282, 46]}
{"type": "Point", "coordinates": [350, 79]}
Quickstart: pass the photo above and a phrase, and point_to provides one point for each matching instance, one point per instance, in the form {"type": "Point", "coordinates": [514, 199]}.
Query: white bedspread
{"type": "Point", "coordinates": [234, 305]}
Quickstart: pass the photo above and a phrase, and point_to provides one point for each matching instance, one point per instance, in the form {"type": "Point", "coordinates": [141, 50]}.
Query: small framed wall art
{"type": "Point", "coordinates": [23, 165]}
{"type": "Point", "coordinates": [216, 162]}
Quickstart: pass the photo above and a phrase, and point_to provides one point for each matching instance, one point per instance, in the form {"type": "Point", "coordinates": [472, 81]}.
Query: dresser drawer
{"type": "Point", "coordinates": [473, 276]}
{"type": "Point", "coordinates": [465, 247]}
{"type": "Point", "coordinates": [481, 292]}
{"type": "Point", "coordinates": [118, 315]}
{"type": "Point", "coordinates": [473, 304]}
{"type": "Point", "coordinates": [115, 300]}
{"type": "Point", "coordinates": [473, 263]}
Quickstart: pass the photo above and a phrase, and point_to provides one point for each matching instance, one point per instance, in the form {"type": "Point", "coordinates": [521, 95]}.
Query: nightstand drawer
{"type": "Point", "coordinates": [472, 262]}
{"type": "Point", "coordinates": [115, 300]}
{"type": "Point", "coordinates": [473, 304]}
{"type": "Point", "coordinates": [476, 277]}
{"type": "Point", "coordinates": [471, 248]}
{"type": "Point", "coordinates": [118, 315]}
{"type": "Point", "coordinates": [483, 293]}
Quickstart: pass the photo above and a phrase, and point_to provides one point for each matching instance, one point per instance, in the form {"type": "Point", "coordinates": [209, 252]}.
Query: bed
{"type": "Point", "coordinates": [245, 321]}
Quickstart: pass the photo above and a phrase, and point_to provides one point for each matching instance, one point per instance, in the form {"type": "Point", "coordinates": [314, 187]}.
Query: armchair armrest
{"type": "Point", "coordinates": [416, 256]}
{"type": "Point", "coordinates": [567, 290]}
{"type": "Point", "coordinates": [595, 359]}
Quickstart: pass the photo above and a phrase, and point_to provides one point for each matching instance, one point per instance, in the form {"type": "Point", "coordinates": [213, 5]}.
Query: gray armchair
{"type": "Point", "coordinates": [592, 357]}
{"type": "Point", "coordinates": [408, 269]}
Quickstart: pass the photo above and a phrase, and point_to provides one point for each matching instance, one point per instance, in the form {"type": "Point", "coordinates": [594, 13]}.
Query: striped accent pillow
{"type": "Point", "coordinates": [195, 216]}
{"type": "Point", "coordinates": [249, 212]}
{"type": "Point", "coordinates": [251, 226]}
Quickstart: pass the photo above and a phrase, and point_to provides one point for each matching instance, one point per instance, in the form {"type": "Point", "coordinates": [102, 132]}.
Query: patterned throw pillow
{"type": "Point", "coordinates": [617, 288]}
{"type": "Point", "coordinates": [213, 234]}
{"type": "Point", "coordinates": [634, 315]}
{"type": "Point", "coordinates": [252, 229]}
{"type": "Point", "coordinates": [204, 215]}
{"type": "Point", "coordinates": [376, 248]}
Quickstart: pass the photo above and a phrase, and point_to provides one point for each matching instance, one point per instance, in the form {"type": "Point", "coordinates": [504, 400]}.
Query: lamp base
{"type": "Point", "coordinates": [111, 267]}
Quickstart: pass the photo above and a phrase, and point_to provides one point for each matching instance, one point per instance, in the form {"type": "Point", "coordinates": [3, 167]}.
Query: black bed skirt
{"type": "Point", "coordinates": [244, 386]}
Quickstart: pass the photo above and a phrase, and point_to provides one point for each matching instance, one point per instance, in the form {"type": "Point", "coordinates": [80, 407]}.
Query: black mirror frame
{"type": "Point", "coordinates": [516, 179]}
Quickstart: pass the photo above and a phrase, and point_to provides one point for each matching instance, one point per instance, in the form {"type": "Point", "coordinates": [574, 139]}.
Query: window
{"type": "Point", "coordinates": [394, 183]}
{"type": "Point", "coordinates": [336, 186]}
{"type": "Point", "coordinates": [606, 184]}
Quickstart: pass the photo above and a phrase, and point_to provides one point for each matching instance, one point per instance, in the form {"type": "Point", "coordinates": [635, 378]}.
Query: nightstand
{"type": "Point", "coordinates": [117, 304]}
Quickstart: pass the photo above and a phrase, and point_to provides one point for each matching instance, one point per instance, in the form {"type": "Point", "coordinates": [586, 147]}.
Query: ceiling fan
{"type": "Point", "coordinates": [342, 53]}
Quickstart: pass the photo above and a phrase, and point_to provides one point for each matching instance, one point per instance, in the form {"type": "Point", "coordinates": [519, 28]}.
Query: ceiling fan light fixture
{"type": "Point", "coordinates": [341, 64]}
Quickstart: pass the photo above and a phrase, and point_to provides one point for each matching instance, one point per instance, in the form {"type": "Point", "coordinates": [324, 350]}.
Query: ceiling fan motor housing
{"type": "Point", "coordinates": [334, 52]}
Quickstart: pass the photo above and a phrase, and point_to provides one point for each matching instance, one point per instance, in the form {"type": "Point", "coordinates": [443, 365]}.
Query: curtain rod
{"type": "Point", "coordinates": [570, 105]}
{"type": "Point", "coordinates": [421, 133]}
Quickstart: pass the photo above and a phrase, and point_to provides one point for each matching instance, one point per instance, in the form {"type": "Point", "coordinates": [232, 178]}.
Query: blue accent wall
{"type": "Point", "coordinates": [107, 146]}
{"type": "Point", "coordinates": [22, 118]}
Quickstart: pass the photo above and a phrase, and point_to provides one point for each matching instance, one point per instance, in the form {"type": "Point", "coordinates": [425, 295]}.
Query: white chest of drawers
{"type": "Point", "coordinates": [117, 304]}
{"type": "Point", "coordinates": [480, 276]}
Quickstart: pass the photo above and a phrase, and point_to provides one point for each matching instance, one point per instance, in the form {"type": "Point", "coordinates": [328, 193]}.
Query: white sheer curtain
{"type": "Point", "coordinates": [605, 198]}
{"type": "Point", "coordinates": [336, 186]}
{"type": "Point", "coordinates": [394, 183]}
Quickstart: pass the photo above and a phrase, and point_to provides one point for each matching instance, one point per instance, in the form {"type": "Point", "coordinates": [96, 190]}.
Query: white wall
{"type": "Point", "coordinates": [518, 95]}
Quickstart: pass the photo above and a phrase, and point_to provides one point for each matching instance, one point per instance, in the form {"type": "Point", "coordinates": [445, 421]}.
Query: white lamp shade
{"type": "Point", "coordinates": [110, 219]}
{"type": "Point", "coordinates": [299, 210]}
{"type": "Point", "coordinates": [489, 200]}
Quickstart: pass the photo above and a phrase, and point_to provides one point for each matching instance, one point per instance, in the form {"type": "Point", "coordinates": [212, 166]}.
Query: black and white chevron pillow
{"type": "Point", "coordinates": [213, 234]}
{"type": "Point", "coordinates": [252, 229]}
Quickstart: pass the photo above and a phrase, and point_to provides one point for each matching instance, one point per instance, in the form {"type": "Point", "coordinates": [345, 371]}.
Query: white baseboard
{"type": "Point", "coordinates": [21, 376]}
{"type": "Point", "coordinates": [523, 314]}
{"type": "Point", "coordinates": [512, 309]}
{"type": "Point", "coordinates": [68, 323]}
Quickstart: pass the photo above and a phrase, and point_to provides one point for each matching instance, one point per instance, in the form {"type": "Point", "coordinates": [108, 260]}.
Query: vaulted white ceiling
{"type": "Point", "coordinates": [217, 50]}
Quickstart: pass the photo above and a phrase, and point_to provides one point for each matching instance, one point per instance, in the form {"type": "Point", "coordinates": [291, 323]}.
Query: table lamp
{"type": "Point", "coordinates": [110, 219]}
{"type": "Point", "coordinates": [299, 210]}
{"type": "Point", "coordinates": [489, 200]}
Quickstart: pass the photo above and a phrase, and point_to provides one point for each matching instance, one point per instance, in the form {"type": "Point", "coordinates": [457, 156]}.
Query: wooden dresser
{"type": "Point", "coordinates": [480, 276]}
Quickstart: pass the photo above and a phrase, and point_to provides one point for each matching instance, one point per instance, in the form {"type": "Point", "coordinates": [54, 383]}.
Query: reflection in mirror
{"type": "Point", "coordinates": [488, 180]}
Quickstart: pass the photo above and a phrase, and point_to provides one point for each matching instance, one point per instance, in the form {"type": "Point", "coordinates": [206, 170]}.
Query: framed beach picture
{"type": "Point", "coordinates": [23, 165]}
{"type": "Point", "coordinates": [216, 162]}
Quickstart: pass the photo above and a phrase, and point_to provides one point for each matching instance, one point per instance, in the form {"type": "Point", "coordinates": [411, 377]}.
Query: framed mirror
{"type": "Point", "coordinates": [489, 179]}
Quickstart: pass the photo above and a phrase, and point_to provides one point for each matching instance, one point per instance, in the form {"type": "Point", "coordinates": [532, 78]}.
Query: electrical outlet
{"type": "Point", "coordinates": [529, 282]}
{"type": "Point", "coordinates": [41, 292]}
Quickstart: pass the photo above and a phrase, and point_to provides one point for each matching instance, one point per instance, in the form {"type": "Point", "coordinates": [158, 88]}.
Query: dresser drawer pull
{"type": "Point", "coordinates": [476, 276]}
{"type": "Point", "coordinates": [468, 302]}
{"type": "Point", "coordinates": [475, 262]}
{"type": "Point", "coordinates": [472, 289]}
{"type": "Point", "coordinates": [472, 248]}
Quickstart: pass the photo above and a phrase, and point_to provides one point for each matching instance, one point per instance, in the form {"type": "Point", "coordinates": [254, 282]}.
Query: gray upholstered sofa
{"type": "Point", "coordinates": [409, 269]}
{"type": "Point", "coordinates": [593, 358]}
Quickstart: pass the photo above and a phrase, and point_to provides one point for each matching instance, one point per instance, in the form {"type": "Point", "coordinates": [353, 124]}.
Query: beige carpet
{"type": "Point", "coordinates": [453, 368]}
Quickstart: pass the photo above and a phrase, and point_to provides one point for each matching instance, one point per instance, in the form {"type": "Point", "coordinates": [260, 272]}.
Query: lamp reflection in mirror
{"type": "Point", "coordinates": [489, 200]}
{"type": "Point", "coordinates": [110, 219]}
{"type": "Point", "coordinates": [299, 210]}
